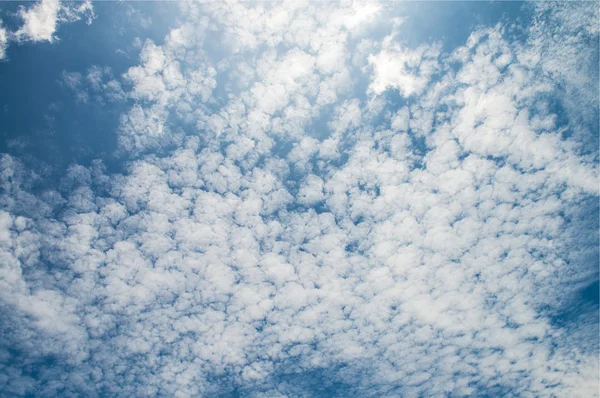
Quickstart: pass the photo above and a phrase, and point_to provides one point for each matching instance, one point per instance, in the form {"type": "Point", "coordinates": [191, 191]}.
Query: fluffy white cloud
{"type": "Point", "coordinates": [3, 41]}
{"type": "Point", "coordinates": [40, 21]}
{"type": "Point", "coordinates": [407, 70]}
{"type": "Point", "coordinates": [299, 234]}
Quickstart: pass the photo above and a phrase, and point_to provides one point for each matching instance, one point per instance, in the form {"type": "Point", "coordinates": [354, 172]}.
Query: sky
{"type": "Point", "coordinates": [299, 199]}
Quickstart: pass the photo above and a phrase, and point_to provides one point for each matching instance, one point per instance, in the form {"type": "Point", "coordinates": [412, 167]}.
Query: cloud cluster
{"type": "Point", "coordinates": [288, 227]}
{"type": "Point", "coordinates": [40, 21]}
{"type": "Point", "coordinates": [97, 83]}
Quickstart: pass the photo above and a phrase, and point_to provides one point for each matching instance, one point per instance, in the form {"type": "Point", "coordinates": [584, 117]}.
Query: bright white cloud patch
{"type": "Point", "coordinates": [38, 21]}
{"type": "Point", "coordinates": [409, 71]}
{"type": "Point", "coordinates": [312, 207]}
{"type": "Point", "coordinates": [3, 41]}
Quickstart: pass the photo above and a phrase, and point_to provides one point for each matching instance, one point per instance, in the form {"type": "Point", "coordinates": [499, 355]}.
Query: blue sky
{"type": "Point", "coordinates": [298, 199]}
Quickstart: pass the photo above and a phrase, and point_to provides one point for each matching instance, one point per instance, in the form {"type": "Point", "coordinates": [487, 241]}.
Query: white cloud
{"type": "Point", "coordinates": [311, 191]}
{"type": "Point", "coordinates": [98, 84]}
{"type": "Point", "coordinates": [399, 252]}
{"type": "Point", "coordinates": [398, 67]}
{"type": "Point", "coordinates": [3, 41]}
{"type": "Point", "coordinates": [401, 69]}
{"type": "Point", "coordinates": [40, 21]}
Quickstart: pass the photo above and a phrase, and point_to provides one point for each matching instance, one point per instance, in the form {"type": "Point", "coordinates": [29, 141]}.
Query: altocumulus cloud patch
{"type": "Point", "coordinates": [302, 200]}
